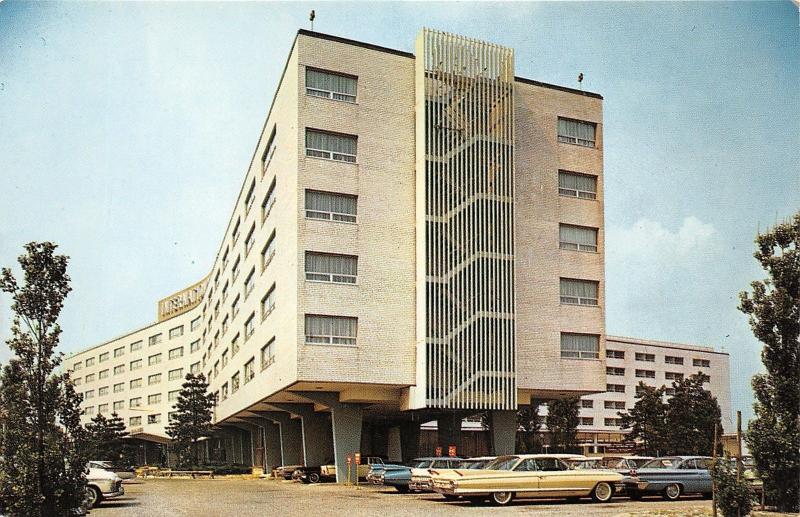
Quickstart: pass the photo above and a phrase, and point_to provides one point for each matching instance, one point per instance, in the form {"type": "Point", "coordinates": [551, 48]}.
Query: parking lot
{"type": "Point", "coordinates": [254, 497]}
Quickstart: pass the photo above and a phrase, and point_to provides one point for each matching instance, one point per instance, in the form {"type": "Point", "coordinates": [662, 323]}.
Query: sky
{"type": "Point", "coordinates": [126, 130]}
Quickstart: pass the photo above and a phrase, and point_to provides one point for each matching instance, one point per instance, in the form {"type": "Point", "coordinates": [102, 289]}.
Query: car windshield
{"type": "Point", "coordinates": [639, 461]}
{"type": "Point", "coordinates": [505, 463]}
{"type": "Point", "coordinates": [474, 465]}
{"type": "Point", "coordinates": [662, 463]}
{"type": "Point", "coordinates": [420, 464]}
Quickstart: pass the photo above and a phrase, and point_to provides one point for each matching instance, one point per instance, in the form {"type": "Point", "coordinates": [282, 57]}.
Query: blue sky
{"type": "Point", "coordinates": [126, 130]}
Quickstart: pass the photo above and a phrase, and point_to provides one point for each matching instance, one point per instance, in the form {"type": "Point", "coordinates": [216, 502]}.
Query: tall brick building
{"type": "Point", "coordinates": [418, 237]}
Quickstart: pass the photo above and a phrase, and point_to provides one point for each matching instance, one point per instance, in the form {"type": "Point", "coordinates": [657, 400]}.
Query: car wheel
{"type": "Point", "coordinates": [313, 477]}
{"type": "Point", "coordinates": [602, 493]}
{"type": "Point", "coordinates": [635, 496]}
{"type": "Point", "coordinates": [449, 497]}
{"type": "Point", "coordinates": [501, 498]}
{"type": "Point", "coordinates": [672, 492]}
{"type": "Point", "coordinates": [93, 496]}
{"type": "Point", "coordinates": [403, 489]}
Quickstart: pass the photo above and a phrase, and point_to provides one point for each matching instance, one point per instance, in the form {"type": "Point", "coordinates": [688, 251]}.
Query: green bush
{"type": "Point", "coordinates": [734, 497]}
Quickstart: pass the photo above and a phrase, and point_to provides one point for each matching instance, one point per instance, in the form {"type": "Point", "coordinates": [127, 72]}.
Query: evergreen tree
{"type": "Point", "coordinates": [562, 422]}
{"type": "Point", "coordinates": [106, 438]}
{"type": "Point", "coordinates": [773, 436]}
{"type": "Point", "coordinates": [192, 418]}
{"type": "Point", "coordinates": [647, 419]}
{"type": "Point", "coordinates": [528, 422]}
{"type": "Point", "coordinates": [690, 417]}
{"type": "Point", "coordinates": [42, 465]}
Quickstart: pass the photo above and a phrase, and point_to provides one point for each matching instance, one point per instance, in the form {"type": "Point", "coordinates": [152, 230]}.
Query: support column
{"type": "Point", "coordinates": [290, 434]}
{"type": "Point", "coordinates": [346, 420]}
{"type": "Point", "coordinates": [409, 440]}
{"type": "Point", "coordinates": [269, 444]}
{"type": "Point", "coordinates": [503, 431]}
{"type": "Point", "coordinates": [394, 447]}
{"type": "Point", "coordinates": [317, 436]}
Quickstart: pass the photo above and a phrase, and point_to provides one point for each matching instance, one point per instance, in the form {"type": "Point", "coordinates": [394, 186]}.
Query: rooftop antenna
{"type": "Point", "coordinates": [311, 17]}
{"type": "Point", "coordinates": [580, 81]}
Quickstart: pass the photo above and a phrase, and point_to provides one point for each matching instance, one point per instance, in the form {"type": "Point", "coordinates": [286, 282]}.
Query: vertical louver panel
{"type": "Point", "coordinates": [469, 223]}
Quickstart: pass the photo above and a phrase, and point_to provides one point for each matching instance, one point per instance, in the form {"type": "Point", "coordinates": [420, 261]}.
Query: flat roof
{"type": "Point", "coordinates": [664, 344]}
{"type": "Point", "coordinates": [403, 53]}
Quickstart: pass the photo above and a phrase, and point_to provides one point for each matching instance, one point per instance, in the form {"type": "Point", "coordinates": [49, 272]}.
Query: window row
{"type": "Point", "coordinates": [651, 358]}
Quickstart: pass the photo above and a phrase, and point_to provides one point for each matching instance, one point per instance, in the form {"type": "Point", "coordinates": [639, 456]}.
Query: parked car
{"type": "Point", "coordinates": [286, 471]}
{"type": "Point", "coordinates": [124, 473]}
{"type": "Point", "coordinates": [314, 474]}
{"type": "Point", "coordinates": [421, 476]}
{"type": "Point", "coordinates": [399, 476]}
{"type": "Point", "coordinates": [476, 463]}
{"type": "Point", "coordinates": [671, 476]}
{"type": "Point", "coordinates": [526, 476]}
{"type": "Point", "coordinates": [101, 484]}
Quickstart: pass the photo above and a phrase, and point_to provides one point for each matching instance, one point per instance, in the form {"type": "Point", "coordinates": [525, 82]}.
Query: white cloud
{"type": "Point", "coordinates": [650, 241]}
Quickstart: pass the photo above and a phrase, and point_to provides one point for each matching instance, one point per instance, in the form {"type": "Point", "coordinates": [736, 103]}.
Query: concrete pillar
{"type": "Point", "coordinates": [394, 448]}
{"type": "Point", "coordinates": [290, 436]}
{"type": "Point", "coordinates": [449, 431]}
{"type": "Point", "coordinates": [268, 445]}
{"type": "Point", "coordinates": [503, 431]}
{"type": "Point", "coordinates": [317, 436]}
{"type": "Point", "coordinates": [409, 440]}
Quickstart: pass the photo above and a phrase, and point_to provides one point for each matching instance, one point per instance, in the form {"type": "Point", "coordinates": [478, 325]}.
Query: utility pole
{"type": "Point", "coordinates": [714, 483]}
{"type": "Point", "coordinates": [311, 17]}
{"type": "Point", "coordinates": [738, 451]}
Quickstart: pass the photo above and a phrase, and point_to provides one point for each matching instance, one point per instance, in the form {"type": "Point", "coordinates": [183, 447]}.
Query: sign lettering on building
{"type": "Point", "coordinates": [182, 301]}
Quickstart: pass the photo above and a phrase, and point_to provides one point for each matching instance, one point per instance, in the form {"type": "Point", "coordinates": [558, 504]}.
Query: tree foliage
{"type": "Point", "coordinates": [192, 418]}
{"type": "Point", "coordinates": [773, 307]}
{"type": "Point", "coordinates": [562, 422]}
{"type": "Point", "coordinates": [528, 422]}
{"type": "Point", "coordinates": [106, 439]}
{"type": "Point", "coordinates": [690, 417]}
{"type": "Point", "coordinates": [42, 465]}
{"type": "Point", "coordinates": [647, 420]}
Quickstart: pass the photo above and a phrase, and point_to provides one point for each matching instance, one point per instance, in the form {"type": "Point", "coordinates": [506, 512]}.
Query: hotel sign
{"type": "Point", "coordinates": [182, 301]}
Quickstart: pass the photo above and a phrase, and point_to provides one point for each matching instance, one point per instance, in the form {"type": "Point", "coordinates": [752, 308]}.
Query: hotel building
{"type": "Point", "coordinates": [418, 237]}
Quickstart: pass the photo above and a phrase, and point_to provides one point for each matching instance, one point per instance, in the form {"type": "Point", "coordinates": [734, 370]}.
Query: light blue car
{"type": "Point", "coordinates": [670, 477]}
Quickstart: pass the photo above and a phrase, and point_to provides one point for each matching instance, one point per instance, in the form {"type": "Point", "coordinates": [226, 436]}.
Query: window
{"type": "Point", "coordinates": [225, 358]}
{"type": "Point", "coordinates": [646, 374]}
{"type": "Point", "coordinates": [136, 346]}
{"type": "Point", "coordinates": [268, 353]}
{"type": "Point", "coordinates": [102, 374]}
{"type": "Point", "coordinates": [216, 368]}
{"type": "Point", "coordinates": [248, 199]}
{"type": "Point", "coordinates": [154, 359]}
{"type": "Point", "coordinates": [194, 346]}
{"type": "Point", "coordinates": [578, 292]}
{"type": "Point", "coordinates": [154, 419]}
{"type": "Point", "coordinates": [268, 302]}
{"type": "Point", "coordinates": [195, 323]}
{"type": "Point", "coordinates": [702, 363]}
{"type": "Point", "coordinates": [580, 346]}
{"type": "Point", "coordinates": [154, 340]}
{"type": "Point", "coordinates": [615, 354]}
{"type": "Point", "coordinates": [118, 352]}
{"type": "Point", "coordinates": [102, 391]}
{"type": "Point", "coordinates": [249, 283]}
{"type": "Point", "coordinates": [195, 367]}
{"type": "Point", "coordinates": [90, 361]}
{"type": "Point", "coordinates": [216, 284]}
{"type": "Point", "coordinates": [235, 307]}
{"type": "Point", "coordinates": [615, 388]}
{"type": "Point", "coordinates": [573, 184]}
{"type": "Point", "coordinates": [249, 326]}
{"type": "Point", "coordinates": [176, 353]}
{"type": "Point", "coordinates": [587, 420]}
{"type": "Point", "coordinates": [612, 370]}
{"type": "Point", "coordinates": [269, 201]}
{"type": "Point", "coordinates": [154, 398]}
{"type": "Point", "coordinates": [669, 392]}
{"type": "Point", "coordinates": [78, 381]}
{"type": "Point", "coordinates": [614, 404]}
{"type": "Point", "coordinates": [224, 394]}
{"type": "Point", "coordinates": [120, 368]}
{"type": "Point", "coordinates": [326, 267]}
{"type": "Point", "coordinates": [334, 330]}
{"type": "Point", "coordinates": [119, 404]}
{"type": "Point", "coordinates": [673, 376]}
{"type": "Point", "coordinates": [576, 132]}
{"type": "Point", "coordinates": [154, 379]}
{"type": "Point", "coordinates": [268, 252]}
{"type": "Point", "coordinates": [587, 404]}
{"type": "Point", "coordinates": [172, 416]}
{"type": "Point", "coordinates": [216, 313]}
{"type": "Point", "coordinates": [88, 394]}
{"type": "Point", "coordinates": [577, 238]}
{"type": "Point", "coordinates": [135, 364]}
{"type": "Point", "coordinates": [89, 410]}
{"type": "Point", "coordinates": [235, 345]}
{"type": "Point", "coordinates": [331, 146]}
{"type": "Point", "coordinates": [77, 366]}
{"type": "Point", "coordinates": [269, 150]}
{"type": "Point", "coordinates": [89, 378]}
{"type": "Point", "coordinates": [102, 408]}
{"type": "Point", "coordinates": [249, 370]}
{"type": "Point", "coordinates": [234, 271]}
{"type": "Point", "coordinates": [612, 422]}
{"type": "Point", "coordinates": [104, 356]}
{"type": "Point", "coordinates": [235, 232]}
{"type": "Point", "coordinates": [175, 374]}
{"type": "Point", "coordinates": [136, 383]}
{"type": "Point", "coordinates": [135, 402]}
{"type": "Point", "coordinates": [173, 395]}
{"type": "Point", "coordinates": [330, 206]}
{"type": "Point", "coordinates": [330, 85]}
{"type": "Point", "coordinates": [671, 359]}
{"type": "Point", "coordinates": [235, 382]}
{"type": "Point", "coordinates": [650, 358]}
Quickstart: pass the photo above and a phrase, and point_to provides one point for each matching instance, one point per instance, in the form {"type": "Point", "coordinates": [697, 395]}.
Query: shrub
{"type": "Point", "coordinates": [734, 497]}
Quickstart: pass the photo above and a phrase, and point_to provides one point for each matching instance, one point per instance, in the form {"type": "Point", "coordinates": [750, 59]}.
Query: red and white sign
{"type": "Point", "coordinates": [451, 451]}
{"type": "Point", "coordinates": [358, 458]}
{"type": "Point", "coordinates": [438, 451]}
{"type": "Point", "coordinates": [349, 459]}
